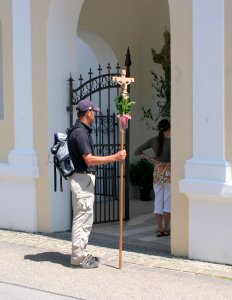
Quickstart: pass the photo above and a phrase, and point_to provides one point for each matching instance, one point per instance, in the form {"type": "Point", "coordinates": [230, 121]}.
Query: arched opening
{"type": "Point", "coordinates": [139, 26]}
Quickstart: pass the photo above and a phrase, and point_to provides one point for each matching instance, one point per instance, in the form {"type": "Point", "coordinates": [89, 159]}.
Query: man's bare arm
{"type": "Point", "coordinates": [92, 160]}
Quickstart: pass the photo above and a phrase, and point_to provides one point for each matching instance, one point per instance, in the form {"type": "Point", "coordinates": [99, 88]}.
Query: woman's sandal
{"type": "Point", "coordinates": [166, 232]}
{"type": "Point", "coordinates": [159, 233]}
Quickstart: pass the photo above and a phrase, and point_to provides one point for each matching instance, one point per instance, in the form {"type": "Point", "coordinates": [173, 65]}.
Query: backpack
{"type": "Point", "coordinates": [61, 158]}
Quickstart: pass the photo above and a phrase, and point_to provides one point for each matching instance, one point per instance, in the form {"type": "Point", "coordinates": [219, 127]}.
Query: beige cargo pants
{"type": "Point", "coordinates": [82, 188]}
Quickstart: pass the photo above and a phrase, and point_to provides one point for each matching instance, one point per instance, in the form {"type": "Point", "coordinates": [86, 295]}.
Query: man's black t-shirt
{"type": "Point", "coordinates": [79, 143]}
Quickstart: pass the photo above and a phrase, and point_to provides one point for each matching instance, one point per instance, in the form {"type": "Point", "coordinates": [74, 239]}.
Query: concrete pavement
{"type": "Point", "coordinates": [35, 266]}
{"type": "Point", "coordinates": [107, 250]}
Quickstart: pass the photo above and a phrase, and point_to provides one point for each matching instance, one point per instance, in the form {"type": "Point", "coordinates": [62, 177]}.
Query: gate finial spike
{"type": "Point", "coordinates": [128, 60]}
{"type": "Point", "coordinates": [117, 68]}
{"type": "Point", "coordinates": [80, 79]}
{"type": "Point", "coordinates": [108, 67]}
{"type": "Point", "coordinates": [99, 69]}
{"type": "Point", "coordinates": [70, 78]}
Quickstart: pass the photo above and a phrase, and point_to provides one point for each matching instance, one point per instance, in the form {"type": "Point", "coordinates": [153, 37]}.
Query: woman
{"type": "Point", "coordinates": [162, 175]}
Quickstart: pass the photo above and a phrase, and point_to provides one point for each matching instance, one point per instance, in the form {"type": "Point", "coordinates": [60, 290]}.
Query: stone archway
{"type": "Point", "coordinates": [62, 30]}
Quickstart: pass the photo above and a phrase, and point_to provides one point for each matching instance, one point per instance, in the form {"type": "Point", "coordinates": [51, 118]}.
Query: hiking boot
{"type": "Point", "coordinates": [96, 258]}
{"type": "Point", "coordinates": [89, 262]}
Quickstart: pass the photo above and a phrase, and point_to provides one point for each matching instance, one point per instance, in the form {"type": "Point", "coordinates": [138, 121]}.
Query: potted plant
{"type": "Point", "coordinates": [141, 174]}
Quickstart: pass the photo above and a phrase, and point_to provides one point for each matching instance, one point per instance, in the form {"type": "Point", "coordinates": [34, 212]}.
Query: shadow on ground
{"type": "Point", "coordinates": [53, 257]}
{"type": "Point", "coordinates": [106, 241]}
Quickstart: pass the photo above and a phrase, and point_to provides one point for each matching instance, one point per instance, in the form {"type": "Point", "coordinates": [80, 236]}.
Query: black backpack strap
{"type": "Point", "coordinates": [55, 184]}
{"type": "Point", "coordinates": [61, 185]}
{"type": "Point", "coordinates": [70, 130]}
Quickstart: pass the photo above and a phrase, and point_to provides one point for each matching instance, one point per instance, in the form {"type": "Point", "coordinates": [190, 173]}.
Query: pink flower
{"type": "Point", "coordinates": [123, 120]}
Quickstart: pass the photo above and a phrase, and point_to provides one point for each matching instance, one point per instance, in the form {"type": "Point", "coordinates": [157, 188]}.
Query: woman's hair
{"type": "Point", "coordinates": [163, 125]}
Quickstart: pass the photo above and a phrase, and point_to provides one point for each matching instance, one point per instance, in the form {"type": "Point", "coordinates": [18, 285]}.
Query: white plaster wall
{"type": "Point", "coordinates": [61, 60]}
{"type": "Point", "coordinates": [85, 54]}
{"type": "Point", "coordinates": [102, 51]}
{"type": "Point", "coordinates": [209, 226]}
{"type": "Point", "coordinates": [91, 53]}
{"type": "Point", "coordinates": [18, 205]}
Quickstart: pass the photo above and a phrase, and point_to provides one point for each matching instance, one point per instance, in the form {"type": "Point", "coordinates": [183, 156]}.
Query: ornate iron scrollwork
{"type": "Point", "coordinates": [92, 86]}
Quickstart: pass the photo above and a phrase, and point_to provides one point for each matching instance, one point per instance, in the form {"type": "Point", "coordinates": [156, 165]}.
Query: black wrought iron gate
{"type": "Point", "coordinates": [102, 90]}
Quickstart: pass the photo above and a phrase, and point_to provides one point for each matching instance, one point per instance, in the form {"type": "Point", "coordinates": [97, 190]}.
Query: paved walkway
{"type": "Point", "coordinates": [134, 253]}
{"type": "Point", "coordinates": [38, 266]}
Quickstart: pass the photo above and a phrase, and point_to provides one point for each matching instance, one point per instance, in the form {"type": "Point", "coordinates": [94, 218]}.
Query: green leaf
{"type": "Point", "coordinates": [123, 106]}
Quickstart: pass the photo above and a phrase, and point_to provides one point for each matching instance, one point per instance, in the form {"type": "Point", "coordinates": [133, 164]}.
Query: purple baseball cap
{"type": "Point", "coordinates": [85, 105]}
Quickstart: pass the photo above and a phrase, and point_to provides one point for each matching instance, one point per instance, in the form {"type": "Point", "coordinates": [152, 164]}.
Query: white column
{"type": "Point", "coordinates": [208, 161]}
{"type": "Point", "coordinates": [23, 152]}
{"type": "Point", "coordinates": [207, 181]}
{"type": "Point", "coordinates": [18, 207]}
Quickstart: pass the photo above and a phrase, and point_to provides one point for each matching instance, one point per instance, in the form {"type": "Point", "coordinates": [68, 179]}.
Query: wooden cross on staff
{"type": "Point", "coordinates": [123, 116]}
{"type": "Point", "coordinates": [124, 82]}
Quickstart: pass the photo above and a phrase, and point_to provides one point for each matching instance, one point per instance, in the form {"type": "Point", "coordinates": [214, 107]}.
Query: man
{"type": "Point", "coordinates": [82, 182]}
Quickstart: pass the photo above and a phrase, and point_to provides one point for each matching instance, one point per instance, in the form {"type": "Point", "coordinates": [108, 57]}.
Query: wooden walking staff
{"type": "Point", "coordinates": [123, 106]}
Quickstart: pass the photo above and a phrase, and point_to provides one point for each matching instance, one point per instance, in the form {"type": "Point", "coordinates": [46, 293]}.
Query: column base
{"type": "Point", "coordinates": [209, 190]}
{"type": "Point", "coordinates": [216, 170]}
{"type": "Point", "coordinates": [18, 191]}
{"type": "Point", "coordinates": [209, 229]}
